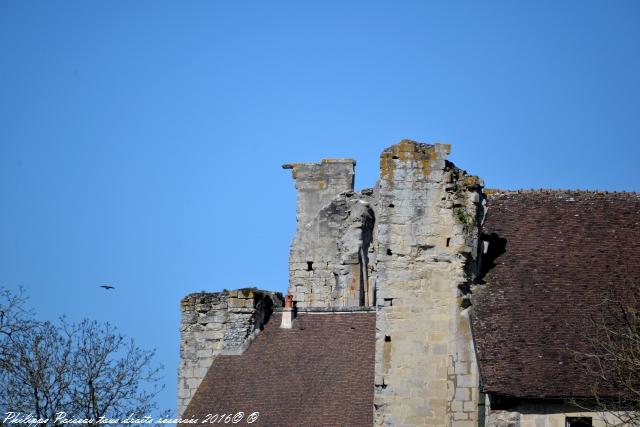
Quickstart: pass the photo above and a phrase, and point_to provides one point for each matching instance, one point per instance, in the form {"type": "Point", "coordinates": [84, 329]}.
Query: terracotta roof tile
{"type": "Point", "coordinates": [558, 253]}
{"type": "Point", "coordinates": [320, 372]}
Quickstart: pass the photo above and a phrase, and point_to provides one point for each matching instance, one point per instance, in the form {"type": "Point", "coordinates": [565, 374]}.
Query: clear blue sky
{"type": "Point", "coordinates": [141, 141]}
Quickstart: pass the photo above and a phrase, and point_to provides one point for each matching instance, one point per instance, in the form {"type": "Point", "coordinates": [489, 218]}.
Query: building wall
{"type": "Point", "coordinates": [544, 415]}
{"type": "Point", "coordinates": [557, 420]}
{"type": "Point", "coordinates": [427, 230]}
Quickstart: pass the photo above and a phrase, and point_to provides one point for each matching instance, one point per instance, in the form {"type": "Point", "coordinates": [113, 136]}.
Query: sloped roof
{"type": "Point", "coordinates": [557, 254]}
{"type": "Point", "coordinates": [320, 372]}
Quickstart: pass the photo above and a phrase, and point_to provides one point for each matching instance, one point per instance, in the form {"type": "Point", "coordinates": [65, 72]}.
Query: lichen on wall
{"type": "Point", "coordinates": [427, 231]}
{"type": "Point", "coordinates": [407, 248]}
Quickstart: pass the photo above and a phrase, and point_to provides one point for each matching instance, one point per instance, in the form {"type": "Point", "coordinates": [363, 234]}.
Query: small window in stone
{"type": "Point", "coordinates": [389, 252]}
{"type": "Point", "coordinates": [578, 422]}
{"type": "Point", "coordinates": [448, 241]}
{"type": "Point", "coordinates": [387, 338]}
{"type": "Point", "coordinates": [309, 265]}
{"type": "Point", "coordinates": [391, 205]}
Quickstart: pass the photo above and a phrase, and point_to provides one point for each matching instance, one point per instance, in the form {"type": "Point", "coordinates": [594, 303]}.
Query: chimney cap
{"type": "Point", "coordinates": [288, 301]}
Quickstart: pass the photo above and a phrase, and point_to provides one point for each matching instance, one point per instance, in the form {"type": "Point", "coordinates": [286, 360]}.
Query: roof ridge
{"type": "Point", "coordinates": [496, 191]}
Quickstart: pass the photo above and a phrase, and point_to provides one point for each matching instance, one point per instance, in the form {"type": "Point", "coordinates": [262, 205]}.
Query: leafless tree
{"type": "Point", "coordinates": [14, 319]}
{"type": "Point", "coordinates": [86, 370]}
{"type": "Point", "coordinates": [39, 372]}
{"type": "Point", "coordinates": [611, 358]}
{"type": "Point", "coordinates": [113, 377]}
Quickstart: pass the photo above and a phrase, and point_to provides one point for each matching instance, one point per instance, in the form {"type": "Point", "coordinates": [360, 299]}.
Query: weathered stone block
{"type": "Point", "coordinates": [462, 394]}
{"type": "Point", "coordinates": [467, 380]}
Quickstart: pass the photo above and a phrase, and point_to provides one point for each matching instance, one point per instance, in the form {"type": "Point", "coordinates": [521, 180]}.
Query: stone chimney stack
{"type": "Point", "coordinates": [318, 184]}
{"type": "Point", "coordinates": [330, 262]}
{"type": "Point", "coordinates": [287, 312]}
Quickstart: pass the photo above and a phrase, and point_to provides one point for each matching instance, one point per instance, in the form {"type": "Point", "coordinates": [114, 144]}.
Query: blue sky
{"type": "Point", "coordinates": [141, 142]}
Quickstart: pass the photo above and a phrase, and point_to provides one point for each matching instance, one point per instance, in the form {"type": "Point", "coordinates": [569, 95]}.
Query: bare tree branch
{"type": "Point", "coordinates": [610, 357]}
{"type": "Point", "coordinates": [85, 369]}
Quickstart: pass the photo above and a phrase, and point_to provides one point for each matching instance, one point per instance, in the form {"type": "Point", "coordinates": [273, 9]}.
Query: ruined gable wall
{"type": "Point", "coordinates": [427, 230]}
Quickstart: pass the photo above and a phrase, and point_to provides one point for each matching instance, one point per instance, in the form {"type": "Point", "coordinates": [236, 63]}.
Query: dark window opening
{"type": "Point", "coordinates": [387, 338]}
{"type": "Point", "coordinates": [579, 422]}
{"type": "Point", "coordinates": [448, 241]}
{"type": "Point", "coordinates": [388, 302]}
{"type": "Point", "coordinates": [391, 205]}
{"type": "Point", "coordinates": [394, 157]}
{"type": "Point", "coordinates": [389, 252]}
{"type": "Point", "coordinates": [309, 266]}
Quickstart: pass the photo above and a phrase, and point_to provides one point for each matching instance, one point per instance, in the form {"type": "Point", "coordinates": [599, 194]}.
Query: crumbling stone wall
{"type": "Point", "coordinates": [408, 247]}
{"type": "Point", "coordinates": [217, 323]}
{"type": "Point", "coordinates": [429, 213]}
{"type": "Point", "coordinates": [331, 255]}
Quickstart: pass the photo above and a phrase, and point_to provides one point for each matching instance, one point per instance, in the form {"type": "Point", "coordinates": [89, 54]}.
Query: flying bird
{"type": "Point", "coordinates": [107, 287]}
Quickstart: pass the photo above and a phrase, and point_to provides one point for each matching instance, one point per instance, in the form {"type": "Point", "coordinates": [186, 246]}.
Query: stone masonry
{"type": "Point", "coordinates": [331, 256]}
{"type": "Point", "coordinates": [407, 249]}
{"type": "Point", "coordinates": [427, 237]}
{"type": "Point", "coordinates": [217, 323]}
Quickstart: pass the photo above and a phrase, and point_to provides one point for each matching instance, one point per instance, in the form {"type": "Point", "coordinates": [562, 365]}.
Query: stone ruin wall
{"type": "Point", "coordinates": [331, 257]}
{"type": "Point", "coordinates": [216, 323]}
{"type": "Point", "coordinates": [407, 248]}
{"type": "Point", "coordinates": [428, 219]}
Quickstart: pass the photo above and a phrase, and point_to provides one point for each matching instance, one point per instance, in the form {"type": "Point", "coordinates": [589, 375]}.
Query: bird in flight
{"type": "Point", "coordinates": [107, 287]}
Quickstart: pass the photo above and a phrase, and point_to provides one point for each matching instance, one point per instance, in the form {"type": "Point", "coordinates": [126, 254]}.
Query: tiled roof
{"type": "Point", "coordinates": [557, 254]}
{"type": "Point", "coordinates": [320, 372]}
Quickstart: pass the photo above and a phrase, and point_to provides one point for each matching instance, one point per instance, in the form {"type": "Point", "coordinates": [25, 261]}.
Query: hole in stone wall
{"type": "Point", "coordinates": [391, 205]}
{"type": "Point", "coordinates": [465, 303]}
{"type": "Point", "coordinates": [496, 247]}
{"type": "Point", "coordinates": [579, 422]}
{"type": "Point", "coordinates": [394, 157]}
{"type": "Point", "coordinates": [448, 241]}
{"type": "Point", "coordinates": [309, 265]}
{"type": "Point", "coordinates": [387, 338]}
{"type": "Point", "coordinates": [388, 302]}
{"type": "Point", "coordinates": [389, 252]}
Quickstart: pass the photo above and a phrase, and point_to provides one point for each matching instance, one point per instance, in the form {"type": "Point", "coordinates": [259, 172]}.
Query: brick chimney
{"type": "Point", "coordinates": [287, 312]}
